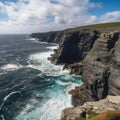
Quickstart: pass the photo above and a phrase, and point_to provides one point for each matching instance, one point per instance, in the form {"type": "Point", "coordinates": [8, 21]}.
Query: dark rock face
{"type": "Point", "coordinates": [51, 37]}
{"type": "Point", "coordinates": [74, 46]}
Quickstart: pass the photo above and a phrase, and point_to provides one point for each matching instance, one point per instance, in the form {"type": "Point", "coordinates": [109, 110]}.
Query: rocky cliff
{"type": "Point", "coordinates": [51, 37]}
{"type": "Point", "coordinates": [100, 70]}
{"type": "Point", "coordinates": [74, 46]}
{"type": "Point", "coordinates": [91, 52]}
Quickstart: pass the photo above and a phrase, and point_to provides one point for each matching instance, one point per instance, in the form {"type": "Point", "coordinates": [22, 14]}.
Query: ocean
{"type": "Point", "coordinates": [31, 88]}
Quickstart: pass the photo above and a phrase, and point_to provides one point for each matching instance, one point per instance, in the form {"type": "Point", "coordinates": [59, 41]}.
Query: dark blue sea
{"type": "Point", "coordinates": [31, 88]}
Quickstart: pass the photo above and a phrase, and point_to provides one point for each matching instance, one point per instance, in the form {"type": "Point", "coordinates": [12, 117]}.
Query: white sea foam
{"type": "Point", "coordinates": [52, 47]}
{"type": "Point", "coordinates": [49, 110]}
{"type": "Point", "coordinates": [2, 117]}
{"type": "Point", "coordinates": [11, 67]}
{"type": "Point", "coordinates": [5, 98]}
{"type": "Point", "coordinates": [39, 61]}
{"type": "Point", "coordinates": [63, 83]}
{"type": "Point", "coordinates": [32, 39]}
{"type": "Point", "coordinates": [56, 96]}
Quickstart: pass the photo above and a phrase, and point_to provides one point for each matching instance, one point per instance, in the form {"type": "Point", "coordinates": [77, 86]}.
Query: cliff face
{"type": "Point", "coordinates": [51, 37]}
{"type": "Point", "coordinates": [98, 67]}
{"type": "Point", "coordinates": [74, 46]}
{"type": "Point", "coordinates": [100, 70]}
{"type": "Point", "coordinates": [92, 53]}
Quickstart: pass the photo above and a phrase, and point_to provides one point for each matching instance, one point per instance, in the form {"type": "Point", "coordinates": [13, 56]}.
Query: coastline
{"type": "Point", "coordinates": [90, 52]}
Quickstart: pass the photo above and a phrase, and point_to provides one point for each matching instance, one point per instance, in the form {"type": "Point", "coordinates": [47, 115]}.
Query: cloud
{"type": "Point", "coordinates": [110, 16]}
{"type": "Point", "coordinates": [43, 15]}
{"type": "Point", "coordinates": [2, 8]}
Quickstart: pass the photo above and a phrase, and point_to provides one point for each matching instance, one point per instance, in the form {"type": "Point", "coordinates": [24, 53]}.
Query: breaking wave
{"type": "Point", "coordinates": [11, 67]}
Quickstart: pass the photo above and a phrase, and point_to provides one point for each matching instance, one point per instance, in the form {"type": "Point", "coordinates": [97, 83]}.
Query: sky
{"type": "Point", "coordinates": [28, 16]}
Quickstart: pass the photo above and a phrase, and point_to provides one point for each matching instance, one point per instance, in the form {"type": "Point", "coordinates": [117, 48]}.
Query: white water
{"type": "Point", "coordinates": [5, 99]}
{"type": "Point", "coordinates": [56, 97]}
{"type": "Point", "coordinates": [39, 61]}
{"type": "Point", "coordinates": [11, 67]}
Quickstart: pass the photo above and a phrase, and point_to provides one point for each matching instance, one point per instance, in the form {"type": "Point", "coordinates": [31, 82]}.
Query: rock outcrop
{"type": "Point", "coordinates": [91, 109]}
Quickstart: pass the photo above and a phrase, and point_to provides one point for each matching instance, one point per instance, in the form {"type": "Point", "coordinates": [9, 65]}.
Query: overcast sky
{"type": "Point", "coordinates": [27, 16]}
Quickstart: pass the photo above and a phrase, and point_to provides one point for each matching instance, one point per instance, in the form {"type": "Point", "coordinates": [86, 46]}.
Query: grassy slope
{"type": "Point", "coordinates": [104, 25]}
{"type": "Point", "coordinates": [109, 115]}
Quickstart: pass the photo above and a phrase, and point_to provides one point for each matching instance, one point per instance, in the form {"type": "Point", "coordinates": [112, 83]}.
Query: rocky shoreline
{"type": "Point", "coordinates": [93, 53]}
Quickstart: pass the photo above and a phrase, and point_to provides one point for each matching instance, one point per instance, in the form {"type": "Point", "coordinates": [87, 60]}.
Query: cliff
{"type": "Point", "coordinates": [100, 70]}
{"type": "Point", "coordinates": [93, 52]}
{"type": "Point", "coordinates": [74, 46]}
{"type": "Point", "coordinates": [51, 37]}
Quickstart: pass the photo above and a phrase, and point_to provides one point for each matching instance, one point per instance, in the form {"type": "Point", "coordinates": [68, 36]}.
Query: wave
{"type": "Point", "coordinates": [11, 94]}
{"type": "Point", "coordinates": [55, 99]}
{"type": "Point", "coordinates": [53, 47]}
{"type": "Point", "coordinates": [40, 61]}
{"type": "Point", "coordinates": [47, 110]}
{"type": "Point", "coordinates": [63, 83]}
{"type": "Point", "coordinates": [32, 39]}
{"type": "Point", "coordinates": [11, 67]}
{"type": "Point", "coordinates": [38, 41]}
{"type": "Point", "coordinates": [14, 94]}
{"type": "Point", "coordinates": [2, 117]}
{"type": "Point", "coordinates": [55, 96]}
{"type": "Point", "coordinates": [8, 97]}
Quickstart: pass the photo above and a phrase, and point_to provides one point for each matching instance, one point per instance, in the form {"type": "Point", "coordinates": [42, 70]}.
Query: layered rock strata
{"type": "Point", "coordinates": [100, 70]}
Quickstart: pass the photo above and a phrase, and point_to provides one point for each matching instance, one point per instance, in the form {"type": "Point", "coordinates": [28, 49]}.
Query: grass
{"type": "Point", "coordinates": [80, 118]}
{"type": "Point", "coordinates": [109, 115]}
{"type": "Point", "coordinates": [95, 26]}
{"type": "Point", "coordinates": [64, 118]}
{"type": "Point", "coordinates": [104, 25]}
{"type": "Point", "coordinates": [91, 114]}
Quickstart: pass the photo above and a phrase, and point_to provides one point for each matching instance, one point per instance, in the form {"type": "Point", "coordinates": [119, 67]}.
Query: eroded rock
{"type": "Point", "coordinates": [110, 103]}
